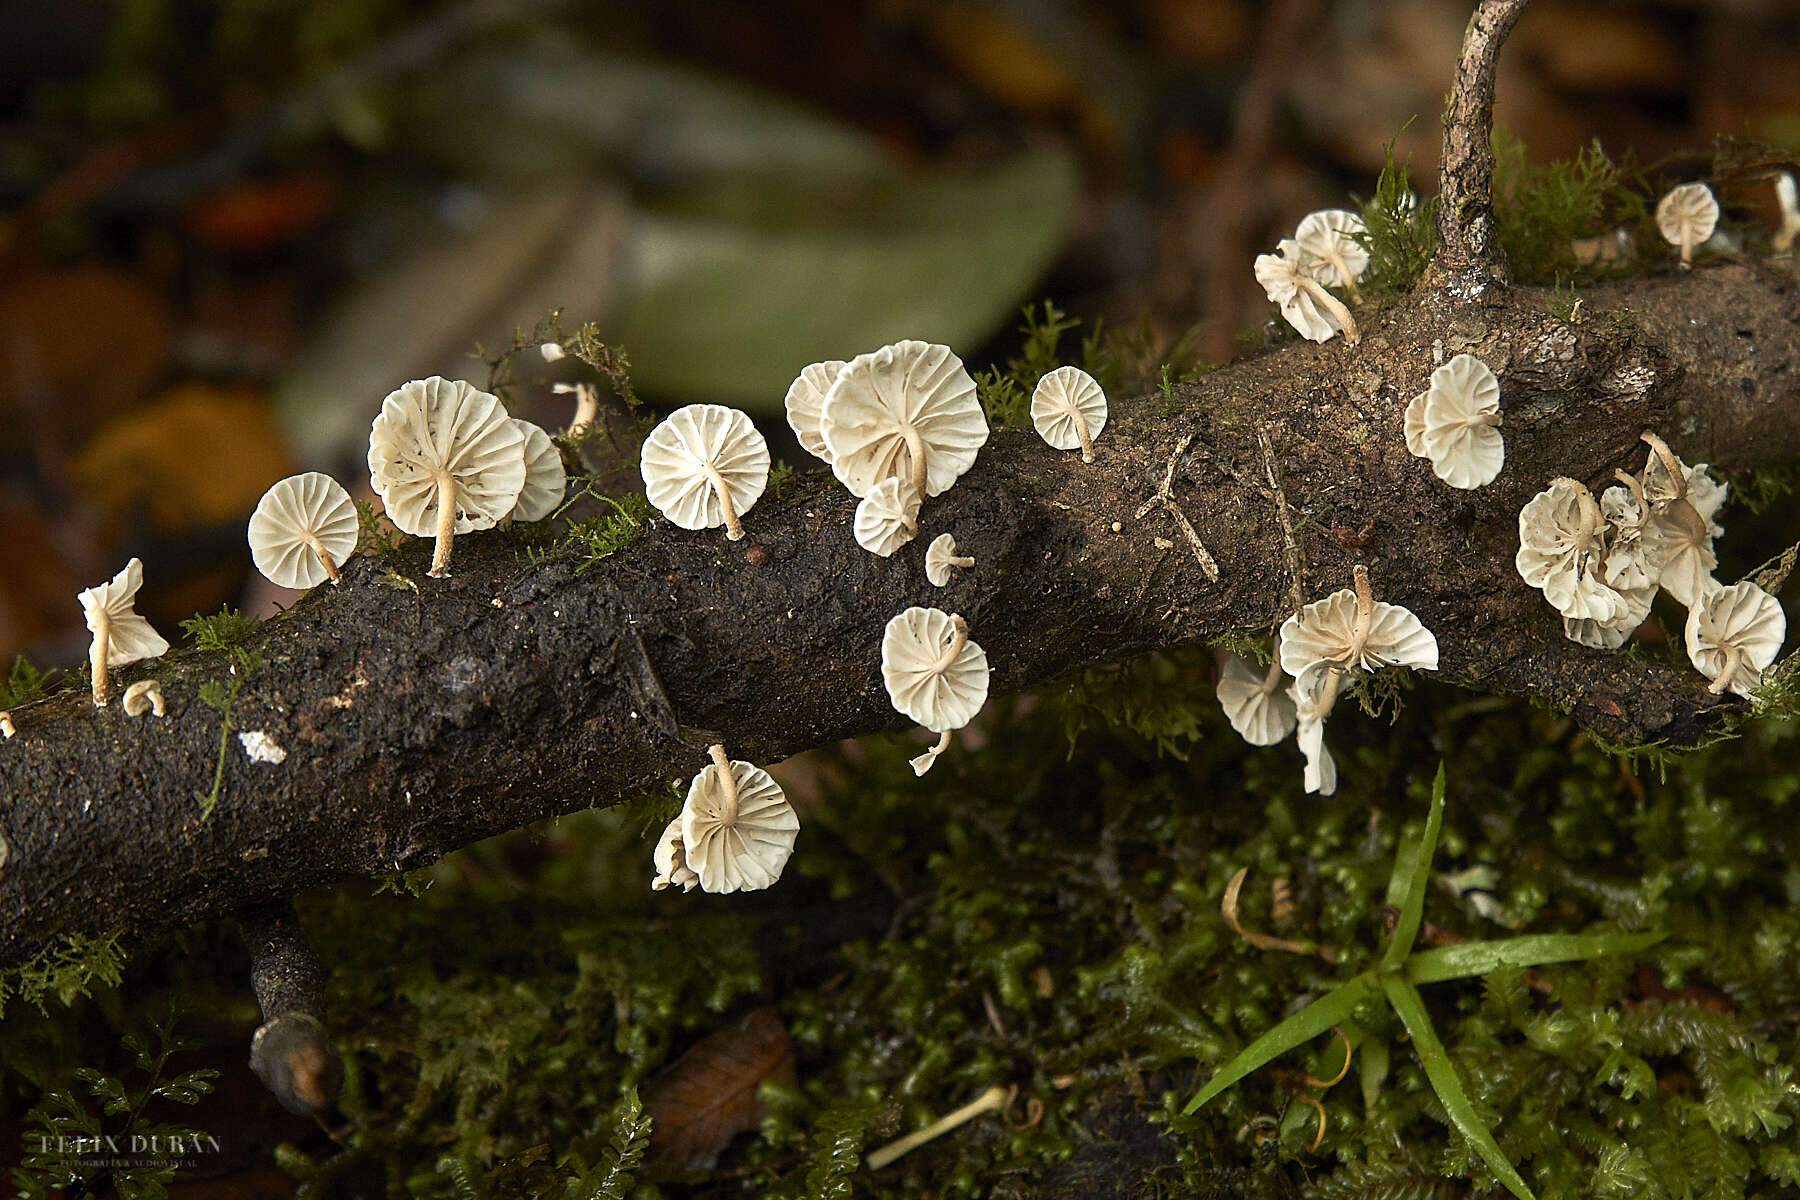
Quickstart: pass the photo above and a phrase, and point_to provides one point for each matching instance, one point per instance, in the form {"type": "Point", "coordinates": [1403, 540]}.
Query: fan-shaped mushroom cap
{"type": "Point", "coordinates": [1627, 566]}
{"type": "Point", "coordinates": [670, 858]}
{"type": "Point", "coordinates": [941, 557]}
{"type": "Point", "coordinates": [120, 635]}
{"type": "Point", "coordinates": [1610, 635]}
{"type": "Point", "coordinates": [1687, 216]}
{"type": "Point", "coordinates": [1560, 551]}
{"type": "Point", "coordinates": [1454, 423]}
{"type": "Point", "coordinates": [704, 466]}
{"type": "Point", "coordinates": [907, 410]}
{"type": "Point", "coordinates": [1332, 255]}
{"type": "Point", "coordinates": [545, 480]}
{"type": "Point", "coordinates": [805, 397]}
{"type": "Point", "coordinates": [1068, 409]}
{"type": "Point", "coordinates": [737, 828]}
{"type": "Point", "coordinates": [1306, 305]}
{"type": "Point", "coordinates": [888, 517]}
{"type": "Point", "coordinates": [1314, 697]}
{"type": "Point", "coordinates": [303, 529]}
{"type": "Point", "coordinates": [1350, 630]}
{"type": "Point", "coordinates": [1255, 703]}
{"type": "Point", "coordinates": [1678, 539]}
{"type": "Point", "coordinates": [1733, 634]}
{"type": "Point", "coordinates": [445, 459]}
{"type": "Point", "coordinates": [934, 673]}
{"type": "Point", "coordinates": [143, 696]}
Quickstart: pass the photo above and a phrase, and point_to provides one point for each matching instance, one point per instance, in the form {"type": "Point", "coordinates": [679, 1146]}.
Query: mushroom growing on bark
{"type": "Point", "coordinates": [1687, 216]}
{"type": "Point", "coordinates": [1455, 423]}
{"type": "Point", "coordinates": [905, 411]}
{"type": "Point", "coordinates": [1068, 409]}
{"type": "Point", "coordinates": [120, 635]}
{"type": "Point", "coordinates": [445, 459]}
{"type": "Point", "coordinates": [144, 696]}
{"type": "Point", "coordinates": [1255, 703]}
{"type": "Point", "coordinates": [1788, 198]}
{"type": "Point", "coordinates": [1678, 538]}
{"type": "Point", "coordinates": [670, 857]}
{"type": "Point", "coordinates": [887, 518]}
{"type": "Point", "coordinates": [705, 466]}
{"type": "Point", "coordinates": [303, 530]}
{"type": "Point", "coordinates": [1561, 548]}
{"type": "Point", "coordinates": [805, 397]}
{"type": "Point", "coordinates": [545, 480]}
{"type": "Point", "coordinates": [934, 674]}
{"type": "Point", "coordinates": [1333, 256]}
{"type": "Point", "coordinates": [1350, 630]}
{"type": "Point", "coordinates": [737, 827]}
{"type": "Point", "coordinates": [1308, 307]}
{"type": "Point", "coordinates": [941, 557]}
{"type": "Point", "coordinates": [1313, 700]}
{"type": "Point", "coordinates": [1733, 634]}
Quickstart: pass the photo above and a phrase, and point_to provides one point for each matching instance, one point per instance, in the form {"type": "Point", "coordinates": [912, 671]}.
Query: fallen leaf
{"type": "Point", "coordinates": [708, 1096]}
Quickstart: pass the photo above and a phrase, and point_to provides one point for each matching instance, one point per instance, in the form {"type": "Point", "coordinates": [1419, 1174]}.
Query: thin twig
{"type": "Point", "coordinates": [1292, 554]}
{"type": "Point", "coordinates": [1165, 496]}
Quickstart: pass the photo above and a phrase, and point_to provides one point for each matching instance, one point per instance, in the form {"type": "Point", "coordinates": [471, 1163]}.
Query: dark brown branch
{"type": "Point", "coordinates": [415, 723]}
{"type": "Point", "coordinates": [1467, 252]}
{"type": "Point", "coordinates": [290, 1051]}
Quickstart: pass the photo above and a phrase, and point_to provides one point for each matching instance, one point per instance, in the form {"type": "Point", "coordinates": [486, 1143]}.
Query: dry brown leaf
{"type": "Point", "coordinates": [708, 1096]}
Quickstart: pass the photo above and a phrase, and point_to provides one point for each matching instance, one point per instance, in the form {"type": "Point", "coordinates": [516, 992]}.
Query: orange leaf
{"type": "Point", "coordinates": [708, 1096]}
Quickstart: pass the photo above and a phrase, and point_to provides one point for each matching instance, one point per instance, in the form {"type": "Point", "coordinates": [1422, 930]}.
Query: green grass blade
{"type": "Point", "coordinates": [1333, 1008]}
{"type": "Point", "coordinates": [1478, 958]}
{"type": "Point", "coordinates": [1448, 1084]}
{"type": "Point", "coordinates": [1406, 891]}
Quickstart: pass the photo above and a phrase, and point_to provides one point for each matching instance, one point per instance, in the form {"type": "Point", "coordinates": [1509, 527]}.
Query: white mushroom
{"type": "Point", "coordinates": [934, 674]}
{"type": "Point", "coordinates": [445, 459]}
{"type": "Point", "coordinates": [143, 696]}
{"type": "Point", "coordinates": [906, 410]}
{"type": "Point", "coordinates": [1313, 699]}
{"type": "Point", "coordinates": [805, 397]}
{"type": "Point", "coordinates": [1733, 634]}
{"type": "Point", "coordinates": [737, 828]}
{"type": "Point", "coordinates": [1350, 630]}
{"type": "Point", "coordinates": [587, 403]}
{"type": "Point", "coordinates": [1627, 566]}
{"type": "Point", "coordinates": [1455, 423]}
{"type": "Point", "coordinates": [9, 731]}
{"type": "Point", "coordinates": [941, 556]}
{"type": "Point", "coordinates": [888, 517]}
{"type": "Point", "coordinates": [1068, 409]}
{"type": "Point", "coordinates": [1785, 196]}
{"type": "Point", "coordinates": [1301, 297]}
{"type": "Point", "coordinates": [1333, 256]}
{"type": "Point", "coordinates": [1254, 702]}
{"type": "Point", "coordinates": [552, 351]}
{"type": "Point", "coordinates": [1687, 216]}
{"type": "Point", "coordinates": [1678, 539]}
{"type": "Point", "coordinates": [705, 466]}
{"type": "Point", "coordinates": [1610, 635]}
{"type": "Point", "coordinates": [670, 857]}
{"type": "Point", "coordinates": [545, 480]}
{"type": "Point", "coordinates": [120, 635]}
{"type": "Point", "coordinates": [303, 529]}
{"type": "Point", "coordinates": [1561, 549]}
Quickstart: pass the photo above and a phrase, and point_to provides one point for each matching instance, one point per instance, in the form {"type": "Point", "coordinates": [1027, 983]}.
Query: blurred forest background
{"type": "Point", "coordinates": [227, 230]}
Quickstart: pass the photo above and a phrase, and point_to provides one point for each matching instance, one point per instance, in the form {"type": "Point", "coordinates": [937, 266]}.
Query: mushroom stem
{"type": "Point", "coordinates": [1333, 305]}
{"type": "Point", "coordinates": [1081, 431]}
{"type": "Point", "coordinates": [728, 781]}
{"type": "Point", "coordinates": [734, 528]}
{"type": "Point", "coordinates": [1591, 517]}
{"type": "Point", "coordinates": [1727, 669]}
{"type": "Point", "coordinates": [318, 549]}
{"type": "Point", "coordinates": [1687, 250]}
{"type": "Point", "coordinates": [1636, 487]}
{"type": "Point", "coordinates": [991, 1100]}
{"type": "Point", "coordinates": [915, 451]}
{"type": "Point", "coordinates": [1671, 464]}
{"type": "Point", "coordinates": [959, 638]}
{"type": "Point", "coordinates": [97, 654]}
{"type": "Point", "coordinates": [925, 761]}
{"type": "Point", "coordinates": [1788, 197]}
{"type": "Point", "coordinates": [1365, 612]}
{"type": "Point", "coordinates": [587, 406]}
{"type": "Point", "coordinates": [1336, 258]}
{"type": "Point", "coordinates": [446, 525]}
{"type": "Point", "coordinates": [1484, 418]}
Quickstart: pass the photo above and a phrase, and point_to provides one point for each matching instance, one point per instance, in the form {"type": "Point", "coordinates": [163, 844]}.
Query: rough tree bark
{"type": "Point", "coordinates": [418, 721]}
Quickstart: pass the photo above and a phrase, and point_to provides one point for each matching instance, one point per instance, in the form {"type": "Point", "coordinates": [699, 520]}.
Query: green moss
{"type": "Point", "coordinates": [66, 969]}
{"type": "Point", "coordinates": [23, 684]}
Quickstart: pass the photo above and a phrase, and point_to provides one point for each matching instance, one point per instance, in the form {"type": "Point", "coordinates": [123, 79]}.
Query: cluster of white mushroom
{"type": "Point", "coordinates": [1323, 253]}
{"type": "Point", "coordinates": [1319, 647]}
{"type": "Point", "coordinates": [1600, 563]}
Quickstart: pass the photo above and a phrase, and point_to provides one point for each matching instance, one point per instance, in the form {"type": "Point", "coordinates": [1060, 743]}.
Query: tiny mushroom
{"type": "Point", "coordinates": [941, 557]}
{"type": "Point", "coordinates": [1068, 409]}
{"type": "Point", "coordinates": [1313, 700]}
{"type": "Point", "coordinates": [144, 696]}
{"type": "Point", "coordinates": [9, 730]}
{"type": "Point", "coordinates": [445, 459]}
{"type": "Point", "coordinates": [120, 635]}
{"type": "Point", "coordinates": [304, 528]}
{"type": "Point", "coordinates": [1350, 630]}
{"type": "Point", "coordinates": [1561, 549]}
{"type": "Point", "coordinates": [888, 517]}
{"type": "Point", "coordinates": [545, 480]}
{"type": "Point", "coordinates": [805, 397]}
{"type": "Point", "coordinates": [1678, 539]}
{"type": "Point", "coordinates": [670, 857]}
{"type": "Point", "coordinates": [587, 403]}
{"type": "Point", "coordinates": [1687, 216]}
{"type": "Point", "coordinates": [1284, 277]}
{"type": "Point", "coordinates": [1254, 702]}
{"type": "Point", "coordinates": [1786, 197]}
{"type": "Point", "coordinates": [906, 410]}
{"type": "Point", "coordinates": [1455, 423]}
{"type": "Point", "coordinates": [737, 827]}
{"type": "Point", "coordinates": [1733, 634]}
{"type": "Point", "coordinates": [1333, 255]}
{"type": "Point", "coordinates": [934, 674]}
{"type": "Point", "coordinates": [705, 466]}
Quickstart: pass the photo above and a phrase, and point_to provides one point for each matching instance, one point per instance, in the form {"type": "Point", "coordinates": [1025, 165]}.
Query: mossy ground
{"type": "Point", "coordinates": [1043, 911]}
